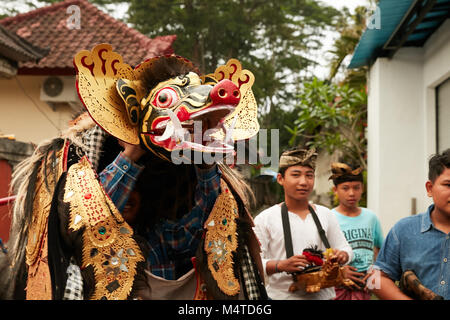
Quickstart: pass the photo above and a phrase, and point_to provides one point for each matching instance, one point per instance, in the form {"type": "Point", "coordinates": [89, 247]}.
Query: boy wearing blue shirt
{"type": "Point", "coordinates": [360, 226]}
{"type": "Point", "coordinates": [420, 244]}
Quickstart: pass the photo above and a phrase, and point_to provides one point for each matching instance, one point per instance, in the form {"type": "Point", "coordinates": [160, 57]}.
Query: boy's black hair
{"type": "Point", "coordinates": [348, 178]}
{"type": "Point", "coordinates": [282, 171]}
{"type": "Point", "coordinates": [437, 164]}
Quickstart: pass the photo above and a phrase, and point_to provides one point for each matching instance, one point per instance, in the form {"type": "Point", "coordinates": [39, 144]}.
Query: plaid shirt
{"type": "Point", "coordinates": [172, 243]}
{"type": "Point", "coordinates": [119, 178]}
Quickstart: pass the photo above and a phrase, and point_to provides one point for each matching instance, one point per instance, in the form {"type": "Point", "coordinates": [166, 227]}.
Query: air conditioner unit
{"type": "Point", "coordinates": [59, 89]}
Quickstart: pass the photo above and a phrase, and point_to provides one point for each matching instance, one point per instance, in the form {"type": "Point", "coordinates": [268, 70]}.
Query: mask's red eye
{"type": "Point", "coordinates": [165, 98]}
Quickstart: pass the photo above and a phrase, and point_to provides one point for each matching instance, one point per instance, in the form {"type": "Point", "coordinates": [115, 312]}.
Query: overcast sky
{"type": "Point", "coordinates": [351, 4]}
{"type": "Point", "coordinates": [323, 56]}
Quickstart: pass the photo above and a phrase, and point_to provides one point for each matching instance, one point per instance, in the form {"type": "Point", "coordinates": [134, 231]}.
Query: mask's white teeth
{"type": "Point", "coordinates": [179, 132]}
{"type": "Point", "coordinates": [167, 133]}
{"type": "Point", "coordinates": [218, 145]}
{"type": "Point", "coordinates": [173, 128]}
{"type": "Point", "coordinates": [188, 122]}
{"type": "Point", "coordinates": [162, 124]}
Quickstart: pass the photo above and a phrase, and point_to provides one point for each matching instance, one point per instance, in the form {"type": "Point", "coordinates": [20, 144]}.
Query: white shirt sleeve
{"type": "Point", "coordinates": [337, 238]}
{"type": "Point", "coordinates": [263, 235]}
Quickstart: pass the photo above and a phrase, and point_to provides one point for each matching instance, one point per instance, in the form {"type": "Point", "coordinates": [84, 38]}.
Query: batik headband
{"type": "Point", "coordinates": [302, 157]}
{"type": "Point", "coordinates": [343, 171]}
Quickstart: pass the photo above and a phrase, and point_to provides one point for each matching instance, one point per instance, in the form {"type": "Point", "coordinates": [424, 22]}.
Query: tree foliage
{"type": "Point", "coordinates": [350, 27]}
{"type": "Point", "coordinates": [332, 115]}
{"type": "Point", "coordinates": [333, 118]}
{"type": "Point", "coordinates": [271, 38]}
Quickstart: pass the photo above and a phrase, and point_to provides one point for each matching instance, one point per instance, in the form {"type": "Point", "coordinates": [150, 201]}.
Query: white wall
{"type": "Point", "coordinates": [322, 184]}
{"type": "Point", "coordinates": [401, 126]}
{"type": "Point", "coordinates": [24, 115]}
{"type": "Point", "coordinates": [436, 71]}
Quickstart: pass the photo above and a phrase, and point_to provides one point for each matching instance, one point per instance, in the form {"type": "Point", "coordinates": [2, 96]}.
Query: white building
{"type": "Point", "coordinates": [407, 49]}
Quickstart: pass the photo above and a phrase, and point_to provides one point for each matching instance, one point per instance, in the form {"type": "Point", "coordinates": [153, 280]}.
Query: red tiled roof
{"type": "Point", "coordinates": [17, 49]}
{"type": "Point", "coordinates": [47, 27]}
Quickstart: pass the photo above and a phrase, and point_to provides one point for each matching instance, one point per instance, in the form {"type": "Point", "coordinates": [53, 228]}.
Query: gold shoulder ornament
{"type": "Point", "coordinates": [221, 241]}
{"type": "Point", "coordinates": [108, 245]}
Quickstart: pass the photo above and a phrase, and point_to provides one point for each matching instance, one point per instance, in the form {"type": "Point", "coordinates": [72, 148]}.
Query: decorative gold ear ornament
{"type": "Point", "coordinates": [246, 113]}
{"type": "Point", "coordinates": [98, 71]}
{"type": "Point", "coordinates": [128, 94]}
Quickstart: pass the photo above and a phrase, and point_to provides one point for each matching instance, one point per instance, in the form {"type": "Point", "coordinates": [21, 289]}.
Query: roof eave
{"type": "Point", "coordinates": [25, 71]}
{"type": "Point", "coordinates": [414, 13]}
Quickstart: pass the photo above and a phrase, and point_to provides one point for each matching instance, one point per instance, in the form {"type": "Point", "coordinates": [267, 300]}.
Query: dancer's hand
{"type": "Point", "coordinates": [132, 151]}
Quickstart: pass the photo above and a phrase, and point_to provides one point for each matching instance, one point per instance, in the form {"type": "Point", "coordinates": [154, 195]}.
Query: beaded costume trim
{"type": "Point", "coordinates": [221, 241]}
{"type": "Point", "coordinates": [108, 245]}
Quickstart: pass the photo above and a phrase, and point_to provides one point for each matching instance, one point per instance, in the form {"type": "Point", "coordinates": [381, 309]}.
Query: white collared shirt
{"type": "Point", "coordinates": [269, 230]}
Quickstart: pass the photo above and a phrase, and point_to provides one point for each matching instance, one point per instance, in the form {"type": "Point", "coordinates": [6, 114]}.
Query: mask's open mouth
{"type": "Point", "coordinates": [196, 132]}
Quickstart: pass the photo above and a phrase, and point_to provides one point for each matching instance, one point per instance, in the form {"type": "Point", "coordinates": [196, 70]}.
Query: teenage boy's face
{"type": "Point", "coordinates": [298, 182]}
{"type": "Point", "coordinates": [132, 207]}
{"type": "Point", "coordinates": [349, 193]}
{"type": "Point", "coordinates": [440, 192]}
